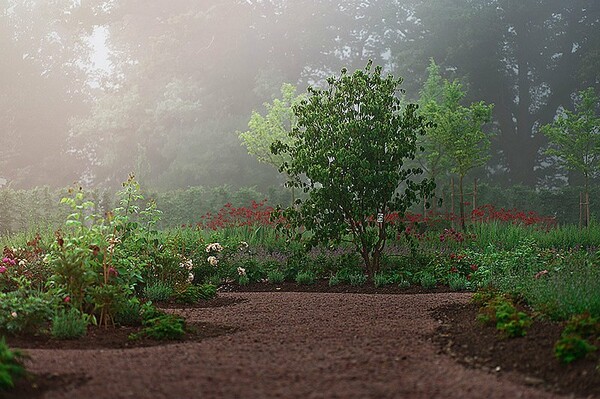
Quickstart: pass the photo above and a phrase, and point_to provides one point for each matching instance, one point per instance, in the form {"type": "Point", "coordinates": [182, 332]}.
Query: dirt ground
{"type": "Point", "coordinates": [289, 345]}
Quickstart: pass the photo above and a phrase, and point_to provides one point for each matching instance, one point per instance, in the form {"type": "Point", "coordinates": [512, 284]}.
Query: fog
{"type": "Point", "coordinates": [93, 90]}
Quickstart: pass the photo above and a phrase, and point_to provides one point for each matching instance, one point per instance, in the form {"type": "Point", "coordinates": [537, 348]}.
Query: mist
{"type": "Point", "coordinates": [92, 91]}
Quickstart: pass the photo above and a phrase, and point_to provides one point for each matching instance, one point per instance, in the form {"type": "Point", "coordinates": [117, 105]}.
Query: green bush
{"type": "Point", "coordinates": [194, 293]}
{"type": "Point", "coordinates": [305, 278]}
{"type": "Point", "coordinates": [574, 342]}
{"type": "Point", "coordinates": [500, 311]}
{"type": "Point", "coordinates": [24, 311]}
{"type": "Point", "coordinates": [158, 291]}
{"type": "Point", "coordinates": [334, 280]}
{"type": "Point", "coordinates": [427, 280]}
{"type": "Point", "coordinates": [382, 279]}
{"type": "Point", "coordinates": [165, 327]}
{"type": "Point", "coordinates": [69, 324]}
{"type": "Point", "coordinates": [11, 365]}
{"type": "Point", "coordinates": [458, 282]}
{"type": "Point", "coordinates": [129, 313]}
{"type": "Point", "coordinates": [275, 276]}
{"type": "Point", "coordinates": [357, 279]}
{"type": "Point", "coordinates": [572, 347]}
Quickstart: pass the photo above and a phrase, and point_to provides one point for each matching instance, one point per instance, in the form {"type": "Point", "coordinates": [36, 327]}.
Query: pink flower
{"type": "Point", "coordinates": [9, 261]}
{"type": "Point", "coordinates": [112, 271]}
{"type": "Point", "coordinates": [474, 267]}
{"type": "Point", "coordinates": [3, 269]}
{"type": "Point", "coordinates": [67, 299]}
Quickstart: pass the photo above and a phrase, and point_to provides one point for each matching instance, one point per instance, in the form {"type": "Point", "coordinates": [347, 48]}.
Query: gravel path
{"type": "Point", "coordinates": [292, 345]}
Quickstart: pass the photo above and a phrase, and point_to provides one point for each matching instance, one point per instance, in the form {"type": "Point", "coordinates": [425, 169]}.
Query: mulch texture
{"type": "Point", "coordinates": [290, 344]}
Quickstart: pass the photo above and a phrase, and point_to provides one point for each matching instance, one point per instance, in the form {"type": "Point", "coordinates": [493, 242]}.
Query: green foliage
{"type": "Point", "coordinates": [305, 278]}
{"type": "Point", "coordinates": [383, 279]}
{"type": "Point", "coordinates": [275, 276]}
{"type": "Point", "coordinates": [129, 313]}
{"type": "Point", "coordinates": [572, 347]}
{"type": "Point", "coordinates": [24, 311]}
{"type": "Point", "coordinates": [349, 152]}
{"type": "Point", "coordinates": [193, 293]}
{"type": "Point", "coordinates": [164, 327]}
{"type": "Point", "coordinates": [357, 279]}
{"type": "Point", "coordinates": [11, 366]}
{"type": "Point", "coordinates": [158, 291]}
{"type": "Point", "coordinates": [427, 280]}
{"type": "Point", "coordinates": [500, 310]}
{"type": "Point", "coordinates": [575, 136]}
{"type": "Point", "coordinates": [574, 342]}
{"type": "Point", "coordinates": [274, 126]}
{"type": "Point", "coordinates": [69, 324]}
{"type": "Point", "coordinates": [456, 282]}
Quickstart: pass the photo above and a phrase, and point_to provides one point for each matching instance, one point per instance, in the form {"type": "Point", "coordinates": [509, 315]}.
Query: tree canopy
{"type": "Point", "coordinates": [349, 152]}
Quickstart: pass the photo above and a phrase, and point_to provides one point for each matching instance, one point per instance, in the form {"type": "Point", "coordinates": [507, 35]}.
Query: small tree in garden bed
{"type": "Point", "coordinates": [575, 141]}
{"type": "Point", "coordinates": [349, 153]}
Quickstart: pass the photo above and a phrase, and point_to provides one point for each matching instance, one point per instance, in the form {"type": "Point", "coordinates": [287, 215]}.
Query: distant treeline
{"type": "Point", "coordinates": [40, 208]}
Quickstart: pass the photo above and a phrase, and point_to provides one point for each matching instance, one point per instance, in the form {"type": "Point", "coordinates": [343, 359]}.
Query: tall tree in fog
{"type": "Point", "coordinates": [527, 57]}
{"type": "Point", "coordinates": [44, 51]}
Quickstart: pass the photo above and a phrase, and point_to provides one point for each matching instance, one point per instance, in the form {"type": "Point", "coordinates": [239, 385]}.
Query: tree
{"type": "Point", "coordinates": [458, 130]}
{"type": "Point", "coordinates": [349, 152]}
{"type": "Point", "coordinates": [275, 126]}
{"type": "Point", "coordinates": [575, 140]}
{"type": "Point", "coordinates": [526, 57]}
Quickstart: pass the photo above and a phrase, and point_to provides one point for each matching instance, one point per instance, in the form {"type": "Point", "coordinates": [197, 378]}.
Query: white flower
{"type": "Point", "coordinates": [190, 277]}
{"type": "Point", "coordinates": [22, 262]}
{"type": "Point", "coordinates": [212, 260]}
{"type": "Point", "coordinates": [214, 247]}
{"type": "Point", "coordinates": [241, 271]}
{"type": "Point", "coordinates": [187, 264]}
{"type": "Point", "coordinates": [243, 245]}
{"type": "Point", "coordinates": [14, 314]}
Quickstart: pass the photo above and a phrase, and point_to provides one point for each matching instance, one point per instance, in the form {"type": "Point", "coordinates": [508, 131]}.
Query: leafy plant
{"type": "Point", "coordinates": [24, 311]}
{"type": "Point", "coordinates": [69, 324]}
{"type": "Point", "coordinates": [428, 280]}
{"type": "Point", "coordinates": [275, 276]}
{"type": "Point", "coordinates": [165, 327]}
{"type": "Point", "coordinates": [349, 153]}
{"type": "Point", "coordinates": [11, 365]}
{"type": "Point", "coordinates": [572, 347]}
{"type": "Point", "coordinates": [358, 279]}
{"type": "Point", "coordinates": [305, 278]}
{"type": "Point", "coordinates": [158, 291]}
{"type": "Point", "coordinates": [194, 293]}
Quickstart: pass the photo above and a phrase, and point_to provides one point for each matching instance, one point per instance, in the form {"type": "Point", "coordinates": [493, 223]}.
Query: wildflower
{"type": "Point", "coordinates": [190, 277]}
{"type": "Point", "coordinates": [474, 267]}
{"type": "Point", "coordinates": [14, 315]}
{"type": "Point", "coordinates": [214, 247]}
{"type": "Point", "coordinates": [22, 262]}
{"type": "Point", "coordinates": [241, 271]}
{"type": "Point", "coordinates": [3, 269]}
{"type": "Point", "coordinates": [9, 261]}
{"type": "Point", "coordinates": [67, 299]}
{"type": "Point", "coordinates": [187, 264]}
{"type": "Point", "coordinates": [212, 260]}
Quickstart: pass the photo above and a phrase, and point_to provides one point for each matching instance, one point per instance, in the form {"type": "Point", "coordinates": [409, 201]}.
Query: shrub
{"type": "Point", "coordinates": [572, 347]}
{"type": "Point", "coordinates": [358, 279]}
{"type": "Point", "coordinates": [69, 324]}
{"type": "Point", "coordinates": [457, 282]}
{"type": "Point", "coordinates": [23, 311]}
{"type": "Point", "coordinates": [507, 319]}
{"type": "Point", "coordinates": [158, 291]}
{"type": "Point", "coordinates": [427, 280]}
{"type": "Point", "coordinates": [130, 313]}
{"type": "Point", "coordinates": [574, 341]}
{"type": "Point", "coordinates": [381, 279]}
{"type": "Point", "coordinates": [165, 327]}
{"type": "Point", "coordinates": [305, 278]}
{"type": "Point", "coordinates": [195, 293]}
{"type": "Point", "coordinates": [11, 365]}
{"type": "Point", "coordinates": [275, 276]}
{"type": "Point", "coordinates": [334, 280]}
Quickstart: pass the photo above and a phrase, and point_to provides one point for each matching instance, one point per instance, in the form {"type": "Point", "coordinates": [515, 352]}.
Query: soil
{"type": "Point", "coordinates": [290, 344]}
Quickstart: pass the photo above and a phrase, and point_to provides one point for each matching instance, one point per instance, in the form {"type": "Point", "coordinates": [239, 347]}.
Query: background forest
{"type": "Point", "coordinates": [92, 90]}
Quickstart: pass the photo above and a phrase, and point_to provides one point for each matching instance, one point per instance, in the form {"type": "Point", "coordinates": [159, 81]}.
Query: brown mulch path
{"type": "Point", "coordinates": [291, 345]}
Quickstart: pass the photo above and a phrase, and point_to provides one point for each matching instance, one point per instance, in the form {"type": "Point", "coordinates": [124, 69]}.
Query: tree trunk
{"type": "Point", "coordinates": [462, 203]}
